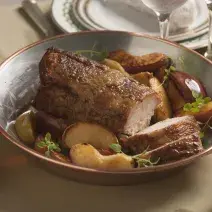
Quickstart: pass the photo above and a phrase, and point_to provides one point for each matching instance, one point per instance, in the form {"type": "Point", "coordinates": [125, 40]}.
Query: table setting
{"type": "Point", "coordinates": [33, 182]}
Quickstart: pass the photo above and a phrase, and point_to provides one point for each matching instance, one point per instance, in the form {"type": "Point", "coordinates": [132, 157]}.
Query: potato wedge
{"type": "Point", "coordinates": [86, 155]}
{"type": "Point", "coordinates": [143, 77]}
{"type": "Point", "coordinates": [135, 64]}
{"type": "Point", "coordinates": [163, 110]}
{"type": "Point", "coordinates": [114, 65]}
{"type": "Point", "coordinates": [176, 99]}
{"type": "Point", "coordinates": [93, 134]}
{"type": "Point", "coordinates": [202, 116]}
{"type": "Point", "coordinates": [25, 127]}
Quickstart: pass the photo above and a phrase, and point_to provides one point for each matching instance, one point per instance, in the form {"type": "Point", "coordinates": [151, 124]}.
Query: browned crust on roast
{"type": "Point", "coordinates": [65, 69]}
{"type": "Point", "coordinates": [58, 102]}
{"type": "Point", "coordinates": [182, 148]}
{"type": "Point", "coordinates": [135, 64]}
{"type": "Point", "coordinates": [78, 89]}
{"type": "Point", "coordinates": [140, 142]}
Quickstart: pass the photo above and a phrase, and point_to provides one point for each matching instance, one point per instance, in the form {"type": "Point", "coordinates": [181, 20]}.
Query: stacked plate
{"type": "Point", "coordinates": [188, 24]}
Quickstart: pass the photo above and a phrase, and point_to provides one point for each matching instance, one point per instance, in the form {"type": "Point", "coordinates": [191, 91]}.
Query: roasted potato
{"type": "Point", "coordinates": [143, 77]}
{"type": "Point", "coordinates": [93, 134]}
{"type": "Point", "coordinates": [135, 64]}
{"type": "Point", "coordinates": [203, 115]}
{"type": "Point", "coordinates": [86, 155]}
{"type": "Point", "coordinates": [25, 127]}
{"type": "Point", "coordinates": [163, 110]}
{"type": "Point", "coordinates": [176, 99]}
{"type": "Point", "coordinates": [114, 65]}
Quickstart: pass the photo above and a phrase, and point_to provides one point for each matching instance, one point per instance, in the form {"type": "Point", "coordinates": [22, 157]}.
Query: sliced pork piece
{"type": "Point", "coordinates": [161, 133]}
{"type": "Point", "coordinates": [78, 89]}
{"type": "Point", "coordinates": [185, 147]}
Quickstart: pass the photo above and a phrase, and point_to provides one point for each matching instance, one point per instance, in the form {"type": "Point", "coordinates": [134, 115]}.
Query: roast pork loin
{"type": "Point", "coordinates": [184, 147]}
{"type": "Point", "coordinates": [78, 89]}
{"type": "Point", "coordinates": [161, 133]}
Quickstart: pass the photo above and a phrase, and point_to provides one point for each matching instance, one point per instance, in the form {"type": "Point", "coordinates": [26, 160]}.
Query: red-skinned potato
{"type": "Point", "coordinates": [202, 116]}
{"type": "Point", "coordinates": [90, 133]}
{"type": "Point", "coordinates": [136, 64]}
{"type": "Point", "coordinates": [187, 83]}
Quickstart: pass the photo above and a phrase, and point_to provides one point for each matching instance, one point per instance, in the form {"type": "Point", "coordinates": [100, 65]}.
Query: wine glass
{"type": "Point", "coordinates": [163, 10]}
{"type": "Point", "coordinates": [208, 53]}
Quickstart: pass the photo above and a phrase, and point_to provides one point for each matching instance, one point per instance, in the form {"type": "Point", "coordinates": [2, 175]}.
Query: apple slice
{"type": "Point", "coordinates": [93, 134]}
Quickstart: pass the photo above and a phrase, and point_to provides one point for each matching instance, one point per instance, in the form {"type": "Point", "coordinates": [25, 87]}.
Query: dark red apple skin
{"type": "Point", "coordinates": [185, 83]}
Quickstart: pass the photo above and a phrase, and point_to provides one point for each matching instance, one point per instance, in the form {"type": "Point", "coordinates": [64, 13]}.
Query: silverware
{"type": "Point", "coordinates": [34, 12]}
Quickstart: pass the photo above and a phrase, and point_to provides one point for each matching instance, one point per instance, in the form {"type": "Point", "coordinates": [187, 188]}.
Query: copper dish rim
{"type": "Point", "coordinates": [158, 168]}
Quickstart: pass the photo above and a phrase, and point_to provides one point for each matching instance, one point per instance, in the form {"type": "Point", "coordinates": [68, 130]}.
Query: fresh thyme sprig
{"type": "Point", "coordinates": [168, 73]}
{"type": "Point", "coordinates": [49, 144]}
{"type": "Point", "coordinates": [199, 102]}
{"type": "Point", "coordinates": [141, 162]}
{"type": "Point", "coordinates": [116, 148]}
{"type": "Point", "coordinates": [205, 126]}
{"type": "Point", "coordinates": [93, 52]}
{"type": "Point", "coordinates": [144, 162]}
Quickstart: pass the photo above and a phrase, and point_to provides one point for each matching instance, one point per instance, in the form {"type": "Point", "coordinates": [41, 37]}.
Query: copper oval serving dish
{"type": "Point", "coordinates": [19, 79]}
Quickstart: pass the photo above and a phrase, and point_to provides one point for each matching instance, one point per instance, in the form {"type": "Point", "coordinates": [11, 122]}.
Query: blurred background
{"type": "Point", "coordinates": [24, 22]}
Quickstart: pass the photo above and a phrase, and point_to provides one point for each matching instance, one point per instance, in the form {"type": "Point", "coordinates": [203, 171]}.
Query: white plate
{"type": "Point", "coordinates": [62, 15]}
{"type": "Point", "coordinates": [188, 21]}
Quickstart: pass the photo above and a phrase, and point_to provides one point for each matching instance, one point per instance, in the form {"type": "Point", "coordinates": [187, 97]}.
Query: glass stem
{"type": "Point", "coordinates": [164, 24]}
{"type": "Point", "coordinates": [210, 34]}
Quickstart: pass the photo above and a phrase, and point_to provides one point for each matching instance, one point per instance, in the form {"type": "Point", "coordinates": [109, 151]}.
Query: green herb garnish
{"type": "Point", "coordinates": [205, 126]}
{"type": "Point", "coordinates": [199, 102]}
{"type": "Point", "coordinates": [202, 134]}
{"type": "Point", "coordinates": [101, 55]}
{"type": "Point", "coordinates": [49, 144]}
{"type": "Point", "coordinates": [167, 73]}
{"type": "Point", "coordinates": [182, 63]}
{"type": "Point", "coordinates": [116, 148]}
{"type": "Point", "coordinates": [144, 162]}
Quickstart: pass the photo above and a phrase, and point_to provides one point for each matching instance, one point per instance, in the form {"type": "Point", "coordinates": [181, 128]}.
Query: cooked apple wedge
{"type": "Point", "coordinates": [163, 110]}
{"type": "Point", "coordinates": [114, 65]}
{"type": "Point", "coordinates": [86, 155]}
{"type": "Point", "coordinates": [143, 77]}
{"type": "Point", "coordinates": [93, 134]}
{"type": "Point", "coordinates": [203, 115]}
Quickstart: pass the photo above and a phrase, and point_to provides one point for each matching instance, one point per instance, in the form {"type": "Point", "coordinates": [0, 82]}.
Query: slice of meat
{"type": "Point", "coordinates": [47, 123]}
{"type": "Point", "coordinates": [184, 147]}
{"type": "Point", "coordinates": [135, 64]}
{"type": "Point", "coordinates": [161, 133]}
{"type": "Point", "coordinates": [78, 89]}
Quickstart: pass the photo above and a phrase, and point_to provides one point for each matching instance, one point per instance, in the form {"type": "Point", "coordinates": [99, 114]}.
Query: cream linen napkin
{"type": "Point", "coordinates": [15, 30]}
